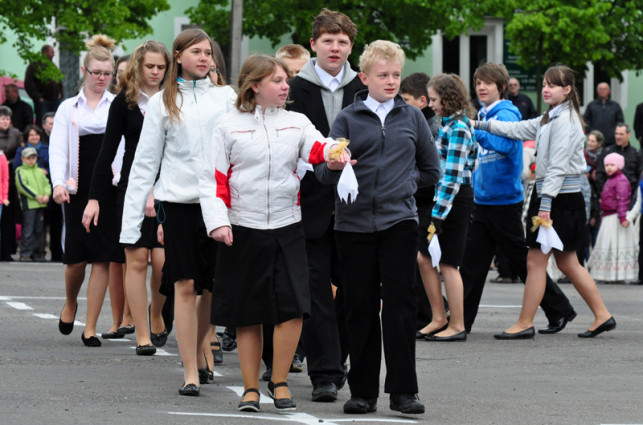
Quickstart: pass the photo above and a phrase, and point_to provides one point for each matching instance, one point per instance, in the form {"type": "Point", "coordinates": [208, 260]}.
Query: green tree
{"type": "Point", "coordinates": [408, 22]}
{"type": "Point", "coordinates": [575, 32]}
{"type": "Point", "coordinates": [70, 22]}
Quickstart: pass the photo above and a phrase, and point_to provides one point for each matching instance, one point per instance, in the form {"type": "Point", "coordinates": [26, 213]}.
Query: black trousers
{"type": "Point", "coordinates": [500, 226]}
{"type": "Point", "coordinates": [374, 266]}
{"type": "Point", "coordinates": [320, 332]}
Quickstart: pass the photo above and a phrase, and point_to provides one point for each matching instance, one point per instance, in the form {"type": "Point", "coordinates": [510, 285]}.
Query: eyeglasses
{"type": "Point", "coordinates": [97, 74]}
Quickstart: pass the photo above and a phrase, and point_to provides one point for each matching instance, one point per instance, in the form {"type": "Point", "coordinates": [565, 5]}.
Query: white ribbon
{"type": "Point", "coordinates": [548, 239]}
{"type": "Point", "coordinates": [435, 251]}
{"type": "Point", "coordinates": [302, 167]}
{"type": "Point", "coordinates": [347, 187]}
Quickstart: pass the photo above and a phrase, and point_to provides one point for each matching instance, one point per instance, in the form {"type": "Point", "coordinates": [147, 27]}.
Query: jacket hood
{"type": "Point", "coordinates": [308, 73]}
{"type": "Point", "coordinates": [504, 107]}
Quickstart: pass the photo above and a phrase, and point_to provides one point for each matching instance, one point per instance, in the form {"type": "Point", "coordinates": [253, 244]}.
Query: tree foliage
{"type": "Point", "coordinates": [73, 22]}
{"type": "Point", "coordinates": [411, 23]}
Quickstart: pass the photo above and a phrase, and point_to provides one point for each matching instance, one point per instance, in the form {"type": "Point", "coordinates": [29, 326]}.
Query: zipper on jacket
{"type": "Point", "coordinates": [263, 118]}
{"type": "Point", "coordinates": [377, 173]}
{"type": "Point", "coordinates": [194, 90]}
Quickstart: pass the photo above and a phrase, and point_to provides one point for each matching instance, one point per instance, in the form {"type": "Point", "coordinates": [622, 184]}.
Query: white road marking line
{"type": "Point", "coordinates": [265, 399]}
{"type": "Point", "coordinates": [45, 316]}
{"type": "Point", "coordinates": [302, 418]}
{"type": "Point", "coordinates": [500, 306]}
{"type": "Point", "coordinates": [19, 306]}
{"type": "Point", "coordinates": [25, 297]}
{"type": "Point", "coordinates": [3, 298]}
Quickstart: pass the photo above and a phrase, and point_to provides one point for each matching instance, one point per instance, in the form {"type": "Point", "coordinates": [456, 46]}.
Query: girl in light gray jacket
{"type": "Point", "coordinates": [557, 200]}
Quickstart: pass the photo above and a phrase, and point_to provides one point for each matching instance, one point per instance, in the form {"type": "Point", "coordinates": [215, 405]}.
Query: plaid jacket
{"type": "Point", "coordinates": [456, 143]}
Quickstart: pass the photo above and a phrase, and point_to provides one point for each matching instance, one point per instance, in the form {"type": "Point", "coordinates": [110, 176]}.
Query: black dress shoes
{"type": "Point", "coordinates": [606, 326]}
{"type": "Point", "coordinates": [282, 404]}
{"type": "Point", "coordinates": [189, 389]}
{"type": "Point", "coordinates": [325, 392]}
{"type": "Point", "coordinates": [92, 341]}
{"type": "Point", "coordinates": [526, 334]}
{"type": "Point", "coordinates": [422, 335]}
{"type": "Point", "coordinates": [251, 405]}
{"type": "Point", "coordinates": [66, 328]}
{"type": "Point", "coordinates": [159, 340]}
{"type": "Point", "coordinates": [406, 403]}
{"type": "Point", "coordinates": [111, 335]}
{"type": "Point", "coordinates": [145, 350]}
{"type": "Point", "coordinates": [126, 330]}
{"type": "Point", "coordinates": [460, 336]}
{"type": "Point", "coordinates": [559, 324]}
{"type": "Point", "coordinates": [360, 405]}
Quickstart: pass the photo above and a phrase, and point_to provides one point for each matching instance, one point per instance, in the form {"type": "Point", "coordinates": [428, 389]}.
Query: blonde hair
{"type": "Point", "coordinates": [380, 49]}
{"type": "Point", "coordinates": [100, 48]}
{"type": "Point", "coordinates": [254, 69]}
{"type": "Point", "coordinates": [292, 51]}
{"type": "Point", "coordinates": [130, 81]}
{"type": "Point", "coordinates": [185, 39]}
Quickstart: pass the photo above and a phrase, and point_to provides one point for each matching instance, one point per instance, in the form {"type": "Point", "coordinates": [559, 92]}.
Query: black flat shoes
{"type": "Point", "coordinates": [460, 336]}
{"type": "Point", "coordinates": [526, 334]}
{"type": "Point", "coordinates": [189, 390]}
{"type": "Point", "coordinates": [251, 405]}
{"type": "Point", "coordinates": [606, 326]}
{"type": "Point", "coordinates": [92, 341]}
{"type": "Point", "coordinates": [111, 335]}
{"type": "Point", "coordinates": [145, 350]}
{"type": "Point", "coordinates": [127, 329]}
{"type": "Point", "coordinates": [282, 404]}
{"type": "Point", "coordinates": [66, 328]}
{"type": "Point", "coordinates": [422, 335]}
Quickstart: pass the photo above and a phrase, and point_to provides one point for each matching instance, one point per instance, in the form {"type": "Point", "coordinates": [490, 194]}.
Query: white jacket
{"type": "Point", "coordinates": [175, 147]}
{"type": "Point", "coordinates": [249, 174]}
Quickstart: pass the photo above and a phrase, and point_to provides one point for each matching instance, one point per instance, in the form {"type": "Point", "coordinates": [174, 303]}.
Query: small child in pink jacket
{"type": "Point", "coordinates": [615, 255]}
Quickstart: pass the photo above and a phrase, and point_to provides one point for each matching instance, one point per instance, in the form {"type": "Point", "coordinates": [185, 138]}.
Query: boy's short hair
{"type": "Point", "coordinates": [333, 23]}
{"type": "Point", "coordinates": [292, 51]}
{"type": "Point", "coordinates": [5, 111]}
{"type": "Point", "coordinates": [416, 84]}
{"type": "Point", "coordinates": [380, 49]}
{"type": "Point", "coordinates": [494, 73]}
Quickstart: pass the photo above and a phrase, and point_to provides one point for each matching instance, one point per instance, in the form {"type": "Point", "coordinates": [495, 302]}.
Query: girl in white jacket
{"type": "Point", "coordinates": [557, 200]}
{"type": "Point", "coordinates": [250, 191]}
{"type": "Point", "coordinates": [177, 122]}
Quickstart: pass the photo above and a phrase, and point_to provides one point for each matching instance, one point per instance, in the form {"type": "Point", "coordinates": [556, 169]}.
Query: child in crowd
{"type": "Point", "coordinates": [557, 200]}
{"type": "Point", "coordinates": [294, 56]}
{"type": "Point", "coordinates": [33, 137]}
{"type": "Point", "coordinates": [454, 202]}
{"type": "Point", "coordinates": [614, 257]}
{"type": "Point", "coordinates": [376, 233]}
{"type": "Point", "coordinates": [34, 191]}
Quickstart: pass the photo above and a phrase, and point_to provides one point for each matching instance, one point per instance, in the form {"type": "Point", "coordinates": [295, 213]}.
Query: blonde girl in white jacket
{"type": "Point", "coordinates": [177, 122]}
{"type": "Point", "coordinates": [250, 198]}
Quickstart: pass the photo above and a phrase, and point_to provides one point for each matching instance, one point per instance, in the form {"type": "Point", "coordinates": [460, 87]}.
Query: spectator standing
{"type": "Point", "coordinates": [4, 188]}
{"type": "Point", "coordinates": [22, 114]}
{"type": "Point", "coordinates": [521, 101]}
{"type": "Point", "coordinates": [47, 125]}
{"type": "Point", "coordinates": [295, 56]}
{"type": "Point", "coordinates": [622, 135]}
{"type": "Point", "coordinates": [638, 124]}
{"type": "Point", "coordinates": [9, 143]}
{"type": "Point", "coordinates": [34, 190]}
{"type": "Point", "coordinates": [603, 114]}
{"type": "Point", "coordinates": [46, 94]}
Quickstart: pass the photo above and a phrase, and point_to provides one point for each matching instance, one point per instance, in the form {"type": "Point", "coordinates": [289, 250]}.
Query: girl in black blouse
{"type": "Point", "coordinates": [143, 78]}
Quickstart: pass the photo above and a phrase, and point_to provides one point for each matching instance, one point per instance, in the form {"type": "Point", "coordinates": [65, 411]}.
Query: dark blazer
{"type": "Point", "coordinates": [317, 200]}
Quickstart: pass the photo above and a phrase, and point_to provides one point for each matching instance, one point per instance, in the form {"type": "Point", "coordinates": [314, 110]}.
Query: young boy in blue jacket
{"type": "Point", "coordinates": [498, 197]}
{"type": "Point", "coordinates": [376, 233]}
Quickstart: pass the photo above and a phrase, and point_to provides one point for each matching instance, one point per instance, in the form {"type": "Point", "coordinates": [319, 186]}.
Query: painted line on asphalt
{"type": "Point", "coordinates": [19, 306]}
{"type": "Point", "coordinates": [26, 297]}
{"type": "Point", "coordinates": [265, 399]}
{"type": "Point", "coordinates": [500, 306]}
{"type": "Point", "coordinates": [302, 418]}
{"type": "Point", "coordinates": [45, 316]}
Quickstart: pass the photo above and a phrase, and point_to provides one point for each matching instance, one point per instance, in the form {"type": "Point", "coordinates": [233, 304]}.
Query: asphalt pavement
{"type": "Point", "coordinates": [49, 378]}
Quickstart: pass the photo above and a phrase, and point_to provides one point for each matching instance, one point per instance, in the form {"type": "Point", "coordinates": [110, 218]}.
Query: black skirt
{"type": "Point", "coordinates": [101, 243]}
{"type": "Point", "coordinates": [149, 227]}
{"type": "Point", "coordinates": [567, 213]}
{"type": "Point", "coordinates": [189, 252]}
{"type": "Point", "coordinates": [454, 229]}
{"type": "Point", "coordinates": [262, 278]}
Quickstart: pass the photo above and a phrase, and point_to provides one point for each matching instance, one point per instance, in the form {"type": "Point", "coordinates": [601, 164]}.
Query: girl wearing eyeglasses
{"type": "Point", "coordinates": [79, 126]}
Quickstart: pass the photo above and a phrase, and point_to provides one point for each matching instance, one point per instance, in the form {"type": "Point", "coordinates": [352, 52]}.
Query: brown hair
{"type": "Point", "coordinates": [494, 73]}
{"type": "Point", "coordinates": [219, 62]}
{"type": "Point", "coordinates": [292, 51]}
{"type": "Point", "coordinates": [130, 81]}
{"type": "Point", "coordinates": [100, 48]}
{"type": "Point", "coordinates": [25, 134]}
{"type": "Point", "coordinates": [562, 76]}
{"type": "Point", "coordinates": [333, 23]}
{"type": "Point", "coordinates": [598, 135]}
{"type": "Point", "coordinates": [254, 69]}
{"type": "Point", "coordinates": [453, 94]}
{"type": "Point", "coordinates": [416, 85]}
{"type": "Point", "coordinates": [182, 41]}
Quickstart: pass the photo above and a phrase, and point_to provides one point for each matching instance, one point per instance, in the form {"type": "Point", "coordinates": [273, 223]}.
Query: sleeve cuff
{"type": "Point", "coordinates": [545, 203]}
